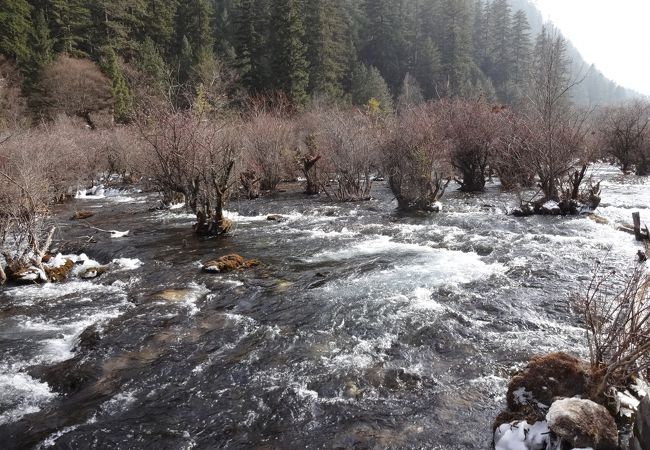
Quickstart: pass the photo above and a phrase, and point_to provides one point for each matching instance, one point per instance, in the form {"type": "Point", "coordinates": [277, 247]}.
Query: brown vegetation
{"type": "Point", "coordinates": [616, 315]}
{"type": "Point", "coordinates": [625, 136]}
{"type": "Point", "coordinates": [473, 129]}
{"type": "Point", "coordinates": [75, 87]}
{"type": "Point", "coordinates": [349, 141]}
{"type": "Point", "coordinates": [195, 158]}
{"type": "Point", "coordinates": [415, 155]}
{"type": "Point", "coordinates": [229, 263]}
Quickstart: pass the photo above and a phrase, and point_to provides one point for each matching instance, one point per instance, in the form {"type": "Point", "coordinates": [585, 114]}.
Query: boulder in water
{"type": "Point", "coordinates": [59, 270]}
{"type": "Point", "coordinates": [531, 391]}
{"type": "Point", "coordinates": [82, 215]}
{"type": "Point", "coordinates": [583, 423]}
{"type": "Point", "coordinates": [29, 274]}
{"type": "Point", "coordinates": [229, 263]}
{"type": "Point", "coordinates": [547, 377]}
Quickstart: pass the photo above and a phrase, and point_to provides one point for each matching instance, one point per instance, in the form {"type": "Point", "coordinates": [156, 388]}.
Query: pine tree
{"type": "Point", "coordinates": [70, 21]}
{"type": "Point", "coordinates": [193, 23]}
{"type": "Point", "coordinates": [40, 51]}
{"type": "Point", "coordinates": [115, 24]}
{"type": "Point", "coordinates": [325, 47]}
{"type": "Point", "coordinates": [122, 101]}
{"type": "Point", "coordinates": [427, 67]}
{"type": "Point", "coordinates": [454, 39]}
{"type": "Point", "coordinates": [290, 66]}
{"type": "Point", "coordinates": [500, 40]}
{"type": "Point", "coordinates": [368, 86]}
{"type": "Point", "coordinates": [249, 45]}
{"type": "Point", "coordinates": [151, 62]}
{"type": "Point", "coordinates": [14, 28]}
{"type": "Point", "coordinates": [160, 24]}
{"type": "Point", "coordinates": [383, 45]}
{"type": "Point", "coordinates": [520, 46]}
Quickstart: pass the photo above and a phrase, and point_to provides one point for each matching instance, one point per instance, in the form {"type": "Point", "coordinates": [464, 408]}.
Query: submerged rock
{"type": "Point", "coordinates": [59, 272]}
{"type": "Point", "coordinates": [30, 274]}
{"type": "Point", "coordinates": [82, 215]}
{"type": "Point", "coordinates": [582, 424]}
{"type": "Point", "coordinates": [229, 263]}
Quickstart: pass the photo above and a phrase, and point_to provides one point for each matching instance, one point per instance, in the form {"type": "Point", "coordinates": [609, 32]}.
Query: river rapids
{"type": "Point", "coordinates": [361, 329]}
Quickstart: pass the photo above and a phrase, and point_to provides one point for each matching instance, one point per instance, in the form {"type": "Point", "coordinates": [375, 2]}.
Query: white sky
{"type": "Point", "coordinates": [612, 34]}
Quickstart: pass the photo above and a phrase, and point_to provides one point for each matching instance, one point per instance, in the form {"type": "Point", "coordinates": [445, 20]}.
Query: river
{"type": "Point", "coordinates": [361, 329]}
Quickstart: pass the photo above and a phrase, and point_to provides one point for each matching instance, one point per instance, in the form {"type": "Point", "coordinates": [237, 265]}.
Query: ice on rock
{"type": "Point", "coordinates": [521, 436]}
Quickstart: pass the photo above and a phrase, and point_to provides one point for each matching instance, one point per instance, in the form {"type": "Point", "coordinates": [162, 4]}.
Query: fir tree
{"type": "Point", "coordinates": [70, 21]}
{"type": "Point", "coordinates": [249, 45]}
{"type": "Point", "coordinates": [326, 48]}
{"type": "Point", "coordinates": [40, 49]}
{"type": "Point", "coordinates": [290, 66]}
{"type": "Point", "coordinates": [122, 102]}
{"type": "Point", "coordinates": [368, 85]}
{"type": "Point", "coordinates": [15, 29]}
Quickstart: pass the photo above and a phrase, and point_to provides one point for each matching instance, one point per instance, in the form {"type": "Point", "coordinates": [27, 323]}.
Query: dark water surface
{"type": "Point", "coordinates": [362, 329]}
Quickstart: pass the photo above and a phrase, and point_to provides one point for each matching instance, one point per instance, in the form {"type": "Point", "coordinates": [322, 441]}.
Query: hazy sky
{"type": "Point", "coordinates": [613, 34]}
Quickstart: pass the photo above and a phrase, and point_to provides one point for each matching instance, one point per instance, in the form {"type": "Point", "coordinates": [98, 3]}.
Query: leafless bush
{"type": "Point", "coordinates": [270, 149]}
{"type": "Point", "coordinates": [473, 128]}
{"type": "Point", "coordinates": [193, 159]}
{"type": "Point", "coordinates": [25, 195]}
{"type": "Point", "coordinates": [75, 87]}
{"type": "Point", "coordinates": [13, 106]}
{"type": "Point", "coordinates": [557, 129]}
{"type": "Point", "coordinates": [309, 152]}
{"type": "Point", "coordinates": [616, 315]}
{"type": "Point", "coordinates": [349, 143]}
{"type": "Point", "coordinates": [414, 156]}
{"type": "Point", "coordinates": [124, 152]}
{"type": "Point", "coordinates": [624, 134]}
{"type": "Point", "coordinates": [511, 152]}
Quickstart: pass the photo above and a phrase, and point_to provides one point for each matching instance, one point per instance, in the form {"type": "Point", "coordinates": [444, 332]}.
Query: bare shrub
{"type": "Point", "coordinates": [75, 87]}
{"type": "Point", "coordinates": [13, 106]}
{"type": "Point", "coordinates": [414, 156]}
{"type": "Point", "coordinates": [349, 142]}
{"type": "Point", "coordinates": [624, 133]}
{"type": "Point", "coordinates": [472, 127]}
{"type": "Point", "coordinates": [309, 152]}
{"type": "Point", "coordinates": [510, 160]}
{"type": "Point", "coordinates": [557, 133]}
{"type": "Point", "coordinates": [616, 315]}
{"type": "Point", "coordinates": [270, 148]}
{"type": "Point", "coordinates": [194, 160]}
{"type": "Point", "coordinates": [124, 153]}
{"type": "Point", "coordinates": [26, 194]}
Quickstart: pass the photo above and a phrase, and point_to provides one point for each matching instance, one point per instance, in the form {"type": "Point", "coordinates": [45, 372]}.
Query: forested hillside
{"type": "Point", "coordinates": [223, 50]}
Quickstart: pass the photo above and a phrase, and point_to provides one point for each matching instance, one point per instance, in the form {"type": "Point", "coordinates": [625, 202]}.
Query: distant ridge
{"type": "Point", "coordinates": [596, 89]}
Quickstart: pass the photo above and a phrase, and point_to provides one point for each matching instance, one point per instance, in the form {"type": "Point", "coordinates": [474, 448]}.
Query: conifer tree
{"type": "Point", "coordinates": [15, 28]}
{"type": "Point", "coordinates": [325, 47]}
{"type": "Point", "coordinates": [159, 19]}
{"type": "Point", "coordinates": [193, 24]}
{"type": "Point", "coordinates": [70, 21]}
{"type": "Point", "coordinates": [427, 67]}
{"type": "Point", "coordinates": [40, 50]}
{"type": "Point", "coordinates": [249, 45]}
{"type": "Point", "coordinates": [290, 66]}
{"type": "Point", "coordinates": [122, 101]}
{"type": "Point", "coordinates": [368, 85]}
{"type": "Point", "coordinates": [454, 38]}
{"type": "Point", "coordinates": [521, 47]}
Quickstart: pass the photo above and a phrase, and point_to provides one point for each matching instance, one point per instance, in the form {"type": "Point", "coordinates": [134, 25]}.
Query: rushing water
{"type": "Point", "coordinates": [362, 329]}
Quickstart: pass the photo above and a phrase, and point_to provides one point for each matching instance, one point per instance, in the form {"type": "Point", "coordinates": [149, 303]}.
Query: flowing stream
{"type": "Point", "coordinates": [361, 329]}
